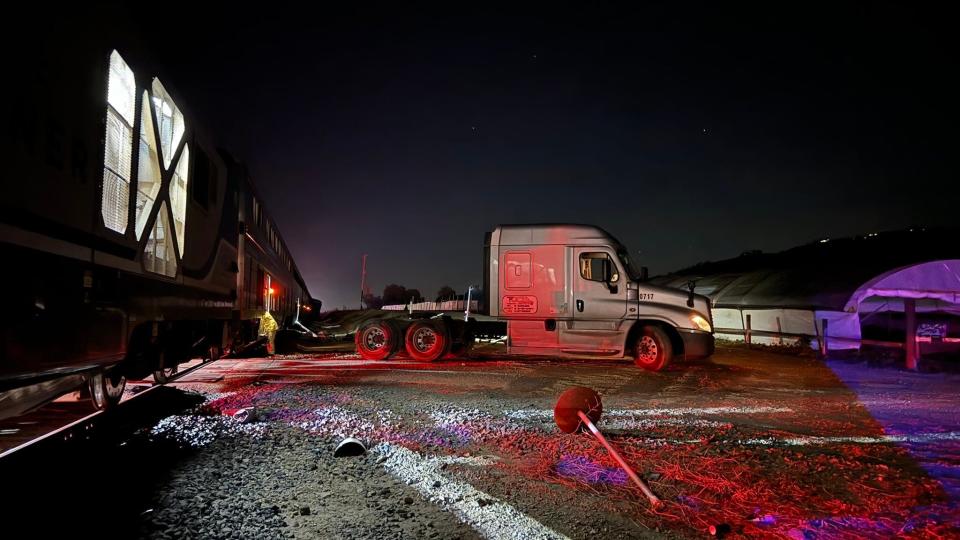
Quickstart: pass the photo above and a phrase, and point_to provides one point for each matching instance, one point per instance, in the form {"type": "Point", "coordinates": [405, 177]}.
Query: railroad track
{"type": "Point", "coordinates": [85, 427]}
{"type": "Point", "coordinates": [96, 473]}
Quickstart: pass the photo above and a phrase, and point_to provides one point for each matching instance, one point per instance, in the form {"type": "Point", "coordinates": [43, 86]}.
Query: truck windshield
{"type": "Point", "coordinates": [632, 271]}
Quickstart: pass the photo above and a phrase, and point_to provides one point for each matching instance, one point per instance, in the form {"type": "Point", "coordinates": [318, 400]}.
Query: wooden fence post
{"type": "Point", "coordinates": [824, 350]}
{"type": "Point", "coordinates": [910, 312]}
{"type": "Point", "coordinates": [746, 331]}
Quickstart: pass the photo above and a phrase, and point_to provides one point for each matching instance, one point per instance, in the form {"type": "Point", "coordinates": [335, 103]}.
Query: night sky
{"type": "Point", "coordinates": [691, 133]}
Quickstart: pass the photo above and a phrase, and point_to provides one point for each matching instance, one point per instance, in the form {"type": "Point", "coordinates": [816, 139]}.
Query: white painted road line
{"type": "Point", "coordinates": [526, 414]}
{"type": "Point", "coordinates": [809, 441]}
{"type": "Point", "coordinates": [625, 423]}
{"type": "Point", "coordinates": [491, 517]}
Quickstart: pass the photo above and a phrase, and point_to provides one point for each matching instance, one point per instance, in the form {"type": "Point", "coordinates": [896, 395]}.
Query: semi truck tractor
{"type": "Point", "coordinates": [558, 290]}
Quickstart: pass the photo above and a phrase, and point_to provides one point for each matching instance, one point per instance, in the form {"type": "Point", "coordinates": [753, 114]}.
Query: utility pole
{"type": "Point", "coordinates": [363, 277]}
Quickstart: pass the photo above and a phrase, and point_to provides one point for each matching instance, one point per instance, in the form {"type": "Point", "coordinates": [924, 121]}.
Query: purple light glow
{"type": "Point", "coordinates": [586, 470]}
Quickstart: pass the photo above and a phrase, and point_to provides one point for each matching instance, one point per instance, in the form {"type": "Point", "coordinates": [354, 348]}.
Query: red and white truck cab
{"type": "Point", "coordinates": [560, 290]}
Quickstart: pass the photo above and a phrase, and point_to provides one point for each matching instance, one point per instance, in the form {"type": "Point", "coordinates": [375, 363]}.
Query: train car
{"type": "Point", "coordinates": [129, 242]}
{"type": "Point", "coordinates": [267, 274]}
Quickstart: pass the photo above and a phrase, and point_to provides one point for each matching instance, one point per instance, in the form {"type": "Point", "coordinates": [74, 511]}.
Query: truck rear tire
{"type": "Point", "coordinates": [427, 341]}
{"type": "Point", "coordinates": [377, 339]}
{"type": "Point", "coordinates": [652, 350]}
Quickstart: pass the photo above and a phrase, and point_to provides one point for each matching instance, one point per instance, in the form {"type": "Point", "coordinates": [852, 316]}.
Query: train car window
{"type": "Point", "coordinates": [200, 182]}
{"type": "Point", "coordinates": [158, 255]}
{"type": "Point", "coordinates": [118, 145]}
{"type": "Point", "coordinates": [170, 122]}
{"type": "Point", "coordinates": [148, 168]}
{"type": "Point", "coordinates": [178, 196]}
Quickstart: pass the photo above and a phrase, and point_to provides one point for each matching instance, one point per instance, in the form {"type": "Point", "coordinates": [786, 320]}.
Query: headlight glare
{"type": "Point", "coordinates": [701, 323]}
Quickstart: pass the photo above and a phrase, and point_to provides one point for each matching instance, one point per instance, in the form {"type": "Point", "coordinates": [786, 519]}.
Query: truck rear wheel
{"type": "Point", "coordinates": [652, 350]}
{"type": "Point", "coordinates": [427, 341]}
{"type": "Point", "coordinates": [377, 339]}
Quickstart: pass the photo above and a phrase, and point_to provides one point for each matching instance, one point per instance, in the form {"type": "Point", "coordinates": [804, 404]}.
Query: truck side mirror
{"type": "Point", "coordinates": [644, 273]}
{"type": "Point", "coordinates": [691, 286]}
{"type": "Point", "coordinates": [608, 270]}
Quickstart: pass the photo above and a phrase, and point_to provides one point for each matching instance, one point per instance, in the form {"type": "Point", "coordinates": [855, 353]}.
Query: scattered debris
{"type": "Point", "coordinates": [196, 431]}
{"type": "Point", "coordinates": [244, 415]}
{"type": "Point", "coordinates": [719, 530]}
{"type": "Point", "coordinates": [767, 519]}
{"type": "Point", "coordinates": [349, 447]}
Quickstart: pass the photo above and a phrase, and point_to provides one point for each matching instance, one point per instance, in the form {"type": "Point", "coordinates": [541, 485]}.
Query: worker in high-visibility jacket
{"type": "Point", "coordinates": [268, 328]}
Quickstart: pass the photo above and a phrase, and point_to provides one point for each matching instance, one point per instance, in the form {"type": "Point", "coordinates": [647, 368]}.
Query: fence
{"type": "Point", "coordinates": [824, 338]}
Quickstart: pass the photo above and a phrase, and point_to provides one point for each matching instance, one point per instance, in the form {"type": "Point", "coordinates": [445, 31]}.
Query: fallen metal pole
{"type": "Point", "coordinates": [654, 500]}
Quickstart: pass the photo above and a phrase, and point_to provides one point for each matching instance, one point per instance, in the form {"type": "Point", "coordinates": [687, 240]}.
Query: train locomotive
{"type": "Point", "coordinates": [130, 242]}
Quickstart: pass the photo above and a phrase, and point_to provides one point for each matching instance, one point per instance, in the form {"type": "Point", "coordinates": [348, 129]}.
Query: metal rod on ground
{"type": "Point", "coordinates": [779, 332]}
{"type": "Point", "coordinates": [654, 500]}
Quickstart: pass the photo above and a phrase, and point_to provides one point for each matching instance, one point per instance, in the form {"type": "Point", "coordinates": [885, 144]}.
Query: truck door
{"type": "Point", "coordinates": [599, 302]}
{"type": "Point", "coordinates": [593, 298]}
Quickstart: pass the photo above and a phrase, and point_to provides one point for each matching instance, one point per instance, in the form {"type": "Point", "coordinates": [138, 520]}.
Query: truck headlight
{"type": "Point", "coordinates": [701, 323]}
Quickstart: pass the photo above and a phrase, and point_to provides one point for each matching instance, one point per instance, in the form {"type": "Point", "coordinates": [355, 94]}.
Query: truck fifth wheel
{"type": "Point", "coordinates": [567, 291]}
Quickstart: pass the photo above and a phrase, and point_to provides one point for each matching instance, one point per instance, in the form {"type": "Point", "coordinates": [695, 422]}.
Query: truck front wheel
{"type": "Point", "coordinates": [427, 341]}
{"type": "Point", "coordinates": [652, 350]}
{"type": "Point", "coordinates": [377, 339]}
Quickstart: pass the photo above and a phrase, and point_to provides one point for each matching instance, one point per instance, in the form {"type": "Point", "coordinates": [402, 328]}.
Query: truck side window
{"type": "Point", "coordinates": [591, 266]}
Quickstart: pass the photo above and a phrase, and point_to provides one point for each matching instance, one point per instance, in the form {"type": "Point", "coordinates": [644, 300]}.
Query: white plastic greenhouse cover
{"type": "Point", "coordinates": [843, 329]}
{"type": "Point", "coordinates": [118, 144]}
{"type": "Point", "coordinates": [939, 280]}
{"type": "Point", "coordinates": [788, 321]}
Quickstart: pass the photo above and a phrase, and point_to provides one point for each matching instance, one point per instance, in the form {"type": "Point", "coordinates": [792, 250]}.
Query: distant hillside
{"type": "Point", "coordinates": [885, 250]}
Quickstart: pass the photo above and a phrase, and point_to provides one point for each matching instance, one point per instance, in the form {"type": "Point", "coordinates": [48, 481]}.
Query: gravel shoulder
{"type": "Point", "coordinates": [761, 443]}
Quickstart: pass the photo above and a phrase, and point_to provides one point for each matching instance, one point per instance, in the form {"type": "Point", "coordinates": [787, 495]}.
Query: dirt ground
{"type": "Point", "coordinates": [752, 442]}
